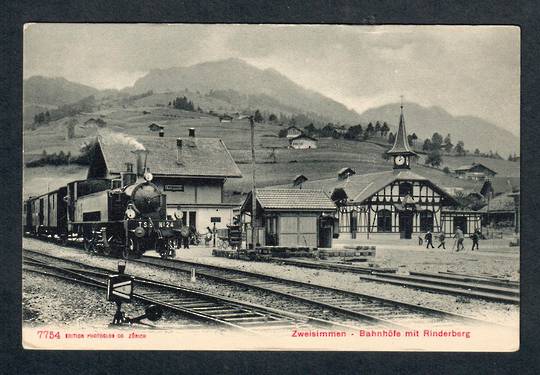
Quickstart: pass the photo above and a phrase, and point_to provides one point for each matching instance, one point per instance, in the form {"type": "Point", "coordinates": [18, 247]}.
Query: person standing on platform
{"type": "Point", "coordinates": [429, 240]}
{"type": "Point", "coordinates": [459, 237]}
{"type": "Point", "coordinates": [475, 237]}
{"type": "Point", "coordinates": [442, 238]}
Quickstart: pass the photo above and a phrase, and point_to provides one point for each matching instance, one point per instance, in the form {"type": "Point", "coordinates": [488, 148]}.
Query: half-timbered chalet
{"type": "Point", "coordinates": [398, 202]}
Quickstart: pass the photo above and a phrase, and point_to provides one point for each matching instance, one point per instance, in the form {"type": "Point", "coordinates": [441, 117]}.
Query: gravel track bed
{"type": "Point", "coordinates": [490, 311]}
{"type": "Point", "coordinates": [202, 284]}
{"type": "Point", "coordinates": [47, 300]}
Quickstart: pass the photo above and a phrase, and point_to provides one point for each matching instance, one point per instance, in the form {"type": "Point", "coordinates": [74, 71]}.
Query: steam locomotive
{"type": "Point", "coordinates": [122, 217]}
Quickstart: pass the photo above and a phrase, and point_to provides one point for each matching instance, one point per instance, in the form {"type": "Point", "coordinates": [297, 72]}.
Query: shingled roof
{"type": "Point", "coordinates": [200, 157]}
{"type": "Point", "coordinates": [291, 200]}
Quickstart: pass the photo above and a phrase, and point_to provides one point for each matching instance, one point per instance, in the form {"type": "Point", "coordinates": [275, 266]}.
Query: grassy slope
{"type": "Point", "coordinates": [323, 162]}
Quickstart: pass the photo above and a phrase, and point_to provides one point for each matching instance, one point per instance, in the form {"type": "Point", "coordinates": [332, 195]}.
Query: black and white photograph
{"type": "Point", "coordinates": [271, 187]}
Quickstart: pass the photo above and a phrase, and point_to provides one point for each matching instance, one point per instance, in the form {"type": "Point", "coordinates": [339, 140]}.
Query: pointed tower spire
{"type": "Point", "coordinates": [401, 151]}
{"type": "Point", "coordinates": [401, 143]}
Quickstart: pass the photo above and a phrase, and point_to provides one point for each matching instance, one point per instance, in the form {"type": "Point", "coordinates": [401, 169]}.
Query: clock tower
{"type": "Point", "coordinates": [401, 151]}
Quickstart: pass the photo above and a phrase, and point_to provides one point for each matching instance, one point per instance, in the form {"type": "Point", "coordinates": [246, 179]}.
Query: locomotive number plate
{"type": "Point", "coordinates": [165, 224]}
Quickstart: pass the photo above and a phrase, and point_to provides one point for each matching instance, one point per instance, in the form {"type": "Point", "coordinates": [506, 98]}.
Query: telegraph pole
{"type": "Point", "coordinates": [253, 186]}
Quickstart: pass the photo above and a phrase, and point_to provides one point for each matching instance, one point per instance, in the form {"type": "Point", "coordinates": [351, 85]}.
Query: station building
{"type": "Point", "coordinates": [398, 202]}
{"type": "Point", "coordinates": [191, 171]}
{"type": "Point", "coordinates": [291, 217]}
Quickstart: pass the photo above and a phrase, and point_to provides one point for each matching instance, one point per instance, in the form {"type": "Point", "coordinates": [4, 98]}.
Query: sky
{"type": "Point", "coordinates": [467, 70]}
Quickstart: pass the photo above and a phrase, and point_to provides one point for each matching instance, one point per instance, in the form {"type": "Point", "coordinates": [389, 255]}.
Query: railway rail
{"type": "Point", "coordinates": [472, 286]}
{"type": "Point", "coordinates": [199, 306]}
{"type": "Point", "coordinates": [362, 306]}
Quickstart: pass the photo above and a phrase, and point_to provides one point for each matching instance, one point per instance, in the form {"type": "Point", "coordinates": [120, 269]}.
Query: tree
{"type": "Point", "coordinates": [385, 129]}
{"type": "Point", "coordinates": [414, 137]}
{"type": "Point", "coordinates": [71, 128]}
{"type": "Point", "coordinates": [353, 132]}
{"type": "Point", "coordinates": [427, 146]}
{"type": "Point", "coordinates": [378, 127]}
{"type": "Point", "coordinates": [272, 117]}
{"type": "Point", "coordinates": [391, 138]}
{"type": "Point", "coordinates": [477, 152]}
{"type": "Point", "coordinates": [436, 141]}
{"type": "Point", "coordinates": [446, 170]}
{"type": "Point", "coordinates": [369, 130]}
{"type": "Point", "coordinates": [447, 146]}
{"type": "Point", "coordinates": [434, 158]}
{"type": "Point", "coordinates": [310, 129]}
{"type": "Point", "coordinates": [282, 133]}
{"type": "Point", "coordinates": [258, 117]}
{"type": "Point", "coordinates": [460, 148]}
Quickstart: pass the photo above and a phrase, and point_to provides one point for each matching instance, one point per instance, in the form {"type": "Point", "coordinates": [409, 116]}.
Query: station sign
{"type": "Point", "coordinates": [120, 288]}
{"type": "Point", "coordinates": [215, 219]}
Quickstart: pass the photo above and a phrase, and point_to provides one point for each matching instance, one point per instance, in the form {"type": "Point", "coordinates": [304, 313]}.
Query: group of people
{"type": "Point", "coordinates": [459, 236]}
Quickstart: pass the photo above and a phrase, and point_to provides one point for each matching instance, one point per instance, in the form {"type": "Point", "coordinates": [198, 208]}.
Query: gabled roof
{"type": "Point", "coordinates": [294, 127]}
{"type": "Point", "coordinates": [401, 143]}
{"type": "Point", "coordinates": [469, 167]}
{"type": "Point", "coordinates": [505, 184]}
{"type": "Point", "coordinates": [201, 157]}
{"type": "Point", "coordinates": [291, 200]}
{"type": "Point", "coordinates": [359, 188]}
{"type": "Point", "coordinates": [302, 135]}
{"type": "Point", "coordinates": [501, 203]}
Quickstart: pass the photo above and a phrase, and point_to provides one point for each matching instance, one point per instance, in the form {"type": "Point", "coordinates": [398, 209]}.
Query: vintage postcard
{"type": "Point", "coordinates": [271, 187]}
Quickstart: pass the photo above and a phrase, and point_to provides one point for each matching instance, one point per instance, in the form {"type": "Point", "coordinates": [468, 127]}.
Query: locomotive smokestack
{"type": "Point", "coordinates": [192, 132]}
{"type": "Point", "coordinates": [141, 163]}
{"type": "Point", "coordinates": [179, 158]}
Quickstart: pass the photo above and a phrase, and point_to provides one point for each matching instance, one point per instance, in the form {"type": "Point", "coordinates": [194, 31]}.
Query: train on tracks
{"type": "Point", "coordinates": [121, 217]}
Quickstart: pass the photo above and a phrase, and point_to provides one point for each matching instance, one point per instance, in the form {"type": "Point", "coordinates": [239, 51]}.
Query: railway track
{"type": "Point", "coordinates": [472, 286]}
{"type": "Point", "coordinates": [387, 312]}
{"type": "Point", "coordinates": [469, 286]}
{"type": "Point", "coordinates": [200, 306]}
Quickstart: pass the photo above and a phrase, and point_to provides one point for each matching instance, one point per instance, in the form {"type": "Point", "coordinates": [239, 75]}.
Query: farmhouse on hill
{"type": "Point", "coordinates": [293, 132]}
{"type": "Point", "coordinates": [225, 118]}
{"type": "Point", "coordinates": [303, 142]}
{"type": "Point", "coordinates": [191, 172]}
{"type": "Point", "coordinates": [155, 127]}
{"type": "Point", "coordinates": [475, 171]}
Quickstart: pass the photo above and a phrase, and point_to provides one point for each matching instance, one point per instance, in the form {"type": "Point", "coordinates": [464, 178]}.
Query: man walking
{"type": "Point", "coordinates": [442, 238]}
{"type": "Point", "coordinates": [459, 237]}
{"type": "Point", "coordinates": [429, 240]}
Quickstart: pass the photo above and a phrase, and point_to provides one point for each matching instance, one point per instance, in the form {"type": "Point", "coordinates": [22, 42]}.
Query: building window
{"type": "Point", "coordinates": [404, 189]}
{"type": "Point", "coordinates": [426, 221]}
{"type": "Point", "coordinates": [384, 221]}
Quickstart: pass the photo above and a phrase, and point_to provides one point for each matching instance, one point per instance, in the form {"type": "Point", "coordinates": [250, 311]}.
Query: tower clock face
{"type": "Point", "coordinates": [400, 160]}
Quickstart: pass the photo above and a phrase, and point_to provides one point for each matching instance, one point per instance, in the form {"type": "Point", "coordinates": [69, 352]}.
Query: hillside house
{"type": "Point", "coordinates": [191, 172]}
{"type": "Point", "coordinates": [396, 203]}
{"type": "Point", "coordinates": [303, 142]}
{"type": "Point", "coordinates": [153, 127]}
{"type": "Point", "coordinates": [293, 132]}
{"type": "Point", "coordinates": [292, 217]}
{"type": "Point", "coordinates": [225, 118]}
{"type": "Point", "coordinates": [475, 171]}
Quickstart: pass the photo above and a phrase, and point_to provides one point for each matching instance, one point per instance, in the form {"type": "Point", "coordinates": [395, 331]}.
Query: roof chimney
{"type": "Point", "coordinates": [179, 151]}
{"type": "Point", "coordinates": [161, 133]}
{"type": "Point", "coordinates": [192, 132]}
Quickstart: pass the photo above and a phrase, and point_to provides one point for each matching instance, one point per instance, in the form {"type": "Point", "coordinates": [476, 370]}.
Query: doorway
{"type": "Point", "coordinates": [326, 225]}
{"type": "Point", "coordinates": [406, 224]}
